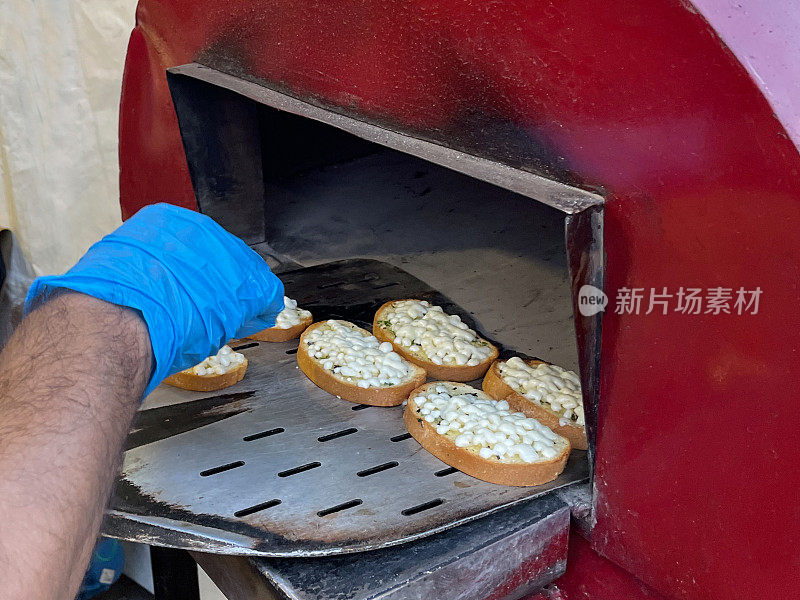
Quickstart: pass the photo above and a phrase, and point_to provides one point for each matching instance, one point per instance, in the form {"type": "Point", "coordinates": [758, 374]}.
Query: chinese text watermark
{"type": "Point", "coordinates": [684, 300]}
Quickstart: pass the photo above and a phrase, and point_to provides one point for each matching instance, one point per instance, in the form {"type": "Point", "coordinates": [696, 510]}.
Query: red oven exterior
{"type": "Point", "coordinates": [697, 479]}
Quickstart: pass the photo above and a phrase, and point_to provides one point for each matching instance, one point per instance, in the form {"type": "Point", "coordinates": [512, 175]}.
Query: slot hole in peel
{"type": "Point", "coordinates": [401, 437]}
{"type": "Point", "coordinates": [340, 507]}
{"type": "Point", "coordinates": [337, 434]}
{"type": "Point", "coordinates": [244, 346]}
{"type": "Point", "coordinates": [263, 434]}
{"type": "Point", "coordinates": [421, 507]}
{"type": "Point", "coordinates": [378, 469]}
{"type": "Point", "coordinates": [222, 468]}
{"type": "Point", "coordinates": [446, 472]}
{"type": "Point", "coordinates": [361, 407]}
{"type": "Point", "coordinates": [256, 508]}
{"type": "Point", "coordinates": [292, 351]}
{"type": "Point", "coordinates": [300, 469]}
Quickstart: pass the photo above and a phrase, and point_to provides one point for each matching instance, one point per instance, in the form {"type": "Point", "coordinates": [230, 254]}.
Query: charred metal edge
{"type": "Point", "coordinates": [154, 424]}
{"type": "Point", "coordinates": [584, 238]}
{"type": "Point", "coordinates": [561, 196]}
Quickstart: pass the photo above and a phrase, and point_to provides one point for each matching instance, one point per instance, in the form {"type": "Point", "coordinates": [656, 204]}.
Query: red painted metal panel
{"type": "Point", "coordinates": [696, 468]}
{"type": "Point", "coordinates": [534, 567]}
{"type": "Point", "coordinates": [152, 163]}
{"type": "Point", "coordinates": [589, 576]}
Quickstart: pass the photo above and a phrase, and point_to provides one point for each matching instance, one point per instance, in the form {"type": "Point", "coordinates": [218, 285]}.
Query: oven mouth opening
{"type": "Point", "coordinates": [304, 184]}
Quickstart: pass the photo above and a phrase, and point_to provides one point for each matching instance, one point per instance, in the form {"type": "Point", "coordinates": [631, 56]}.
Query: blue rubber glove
{"type": "Point", "coordinates": [195, 285]}
{"type": "Point", "coordinates": [105, 567]}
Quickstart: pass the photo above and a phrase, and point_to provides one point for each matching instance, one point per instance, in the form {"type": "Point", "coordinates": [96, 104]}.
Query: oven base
{"type": "Point", "coordinates": [504, 557]}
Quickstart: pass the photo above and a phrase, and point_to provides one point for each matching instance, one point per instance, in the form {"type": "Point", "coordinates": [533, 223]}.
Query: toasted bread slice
{"type": "Point", "coordinates": [481, 437]}
{"type": "Point", "coordinates": [290, 323]}
{"type": "Point", "coordinates": [328, 347]}
{"type": "Point", "coordinates": [188, 380]}
{"type": "Point", "coordinates": [276, 334]}
{"type": "Point", "coordinates": [411, 338]}
{"type": "Point", "coordinates": [570, 425]}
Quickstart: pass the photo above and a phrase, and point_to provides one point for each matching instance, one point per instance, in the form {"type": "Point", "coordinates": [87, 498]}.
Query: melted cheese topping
{"type": "Point", "coordinates": [222, 362]}
{"type": "Point", "coordinates": [355, 356]}
{"type": "Point", "coordinates": [430, 333]}
{"type": "Point", "coordinates": [551, 386]}
{"type": "Point", "coordinates": [486, 427]}
{"type": "Point", "coordinates": [290, 315]}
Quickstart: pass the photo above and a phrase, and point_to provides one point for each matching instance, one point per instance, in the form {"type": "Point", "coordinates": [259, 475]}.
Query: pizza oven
{"type": "Point", "coordinates": [303, 185]}
{"type": "Point", "coordinates": [563, 178]}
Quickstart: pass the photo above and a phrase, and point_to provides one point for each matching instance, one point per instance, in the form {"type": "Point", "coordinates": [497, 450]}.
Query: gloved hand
{"type": "Point", "coordinates": [195, 285]}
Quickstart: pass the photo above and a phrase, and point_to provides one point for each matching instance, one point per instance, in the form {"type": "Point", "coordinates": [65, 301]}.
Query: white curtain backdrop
{"type": "Point", "coordinates": [61, 67]}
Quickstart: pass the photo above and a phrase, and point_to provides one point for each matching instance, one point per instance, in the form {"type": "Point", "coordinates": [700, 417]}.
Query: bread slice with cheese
{"type": "Point", "coordinates": [439, 343]}
{"type": "Point", "coordinates": [546, 392]}
{"type": "Point", "coordinates": [216, 372]}
{"type": "Point", "coordinates": [484, 437]}
{"type": "Point", "coordinates": [289, 324]}
{"type": "Point", "coordinates": [351, 363]}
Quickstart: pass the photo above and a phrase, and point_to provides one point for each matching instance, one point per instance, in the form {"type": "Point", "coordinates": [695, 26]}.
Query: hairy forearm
{"type": "Point", "coordinates": [71, 378]}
